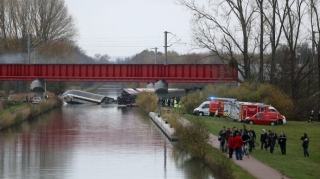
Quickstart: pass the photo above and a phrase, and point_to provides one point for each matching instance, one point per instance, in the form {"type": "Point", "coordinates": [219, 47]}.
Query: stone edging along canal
{"type": "Point", "coordinates": [163, 125]}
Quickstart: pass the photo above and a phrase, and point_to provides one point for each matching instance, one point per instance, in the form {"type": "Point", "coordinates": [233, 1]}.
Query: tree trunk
{"type": "Point", "coordinates": [261, 42]}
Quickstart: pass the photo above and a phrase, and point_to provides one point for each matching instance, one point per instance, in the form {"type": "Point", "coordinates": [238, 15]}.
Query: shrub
{"type": "Point", "coordinates": [192, 100]}
{"type": "Point", "coordinates": [173, 118]}
{"type": "Point", "coordinates": [6, 120]}
{"type": "Point", "coordinates": [147, 101]}
{"type": "Point", "coordinates": [219, 163]}
{"type": "Point", "coordinates": [45, 105]}
{"type": "Point", "coordinates": [34, 111]}
{"type": "Point", "coordinates": [19, 117]}
{"type": "Point", "coordinates": [193, 138]}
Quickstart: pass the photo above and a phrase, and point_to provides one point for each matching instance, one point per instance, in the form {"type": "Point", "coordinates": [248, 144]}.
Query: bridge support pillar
{"type": "Point", "coordinates": [38, 87]}
{"type": "Point", "coordinates": [150, 85]}
{"type": "Point", "coordinates": [161, 88]}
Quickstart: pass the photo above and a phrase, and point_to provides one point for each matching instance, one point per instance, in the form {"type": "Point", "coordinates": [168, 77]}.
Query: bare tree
{"type": "Point", "coordinates": [3, 23]}
{"type": "Point", "coordinates": [260, 5]}
{"type": "Point", "coordinates": [274, 15]}
{"type": "Point", "coordinates": [225, 27]}
{"type": "Point", "coordinates": [51, 21]}
{"type": "Point", "coordinates": [315, 28]}
{"type": "Point", "coordinates": [295, 10]}
{"type": "Point", "coordinates": [47, 20]}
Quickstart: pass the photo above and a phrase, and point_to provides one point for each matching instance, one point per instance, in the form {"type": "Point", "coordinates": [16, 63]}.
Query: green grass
{"type": "Point", "coordinates": [294, 164]}
{"type": "Point", "coordinates": [13, 108]}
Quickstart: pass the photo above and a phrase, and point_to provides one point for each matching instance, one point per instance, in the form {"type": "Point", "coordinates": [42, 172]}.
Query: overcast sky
{"type": "Point", "coordinates": [127, 27]}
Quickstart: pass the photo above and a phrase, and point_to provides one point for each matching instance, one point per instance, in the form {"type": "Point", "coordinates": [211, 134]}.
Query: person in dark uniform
{"type": "Point", "coordinates": [272, 140]}
{"type": "Point", "coordinates": [223, 138]}
{"type": "Point", "coordinates": [235, 131]}
{"type": "Point", "coordinates": [311, 117]}
{"type": "Point", "coordinates": [254, 137]}
{"type": "Point", "coordinates": [263, 138]}
{"type": "Point", "coordinates": [305, 144]}
{"type": "Point", "coordinates": [282, 142]}
{"type": "Point", "coordinates": [319, 116]}
{"type": "Point", "coordinates": [251, 141]}
{"type": "Point", "coordinates": [246, 139]}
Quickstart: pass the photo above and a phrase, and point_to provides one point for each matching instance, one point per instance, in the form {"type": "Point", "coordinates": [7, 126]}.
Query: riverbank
{"type": "Point", "coordinates": [293, 164]}
{"type": "Point", "coordinates": [24, 111]}
{"type": "Point", "coordinates": [253, 166]}
{"type": "Point", "coordinates": [211, 156]}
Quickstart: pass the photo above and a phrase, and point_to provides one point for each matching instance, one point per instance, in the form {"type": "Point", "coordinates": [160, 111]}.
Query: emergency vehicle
{"type": "Point", "coordinates": [220, 108]}
{"type": "Point", "coordinates": [202, 109]}
{"type": "Point", "coordinates": [267, 117]}
{"type": "Point", "coordinates": [240, 110]}
{"type": "Point", "coordinates": [214, 106]}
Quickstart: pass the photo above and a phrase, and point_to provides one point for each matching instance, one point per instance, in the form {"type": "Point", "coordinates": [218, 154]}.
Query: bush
{"type": "Point", "coordinates": [6, 120]}
{"type": "Point", "coordinates": [147, 101]}
{"type": "Point", "coordinates": [193, 138]}
{"type": "Point", "coordinates": [192, 100]}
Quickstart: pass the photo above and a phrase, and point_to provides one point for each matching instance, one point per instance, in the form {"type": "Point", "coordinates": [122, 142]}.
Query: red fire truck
{"type": "Point", "coordinates": [240, 110]}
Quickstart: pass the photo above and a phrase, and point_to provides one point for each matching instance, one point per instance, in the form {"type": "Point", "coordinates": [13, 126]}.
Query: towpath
{"type": "Point", "coordinates": [253, 166]}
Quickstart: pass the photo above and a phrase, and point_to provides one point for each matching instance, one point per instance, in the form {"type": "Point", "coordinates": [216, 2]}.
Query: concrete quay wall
{"type": "Point", "coordinates": [163, 125]}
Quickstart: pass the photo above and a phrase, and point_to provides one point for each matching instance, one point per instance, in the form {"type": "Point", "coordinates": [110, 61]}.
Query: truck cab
{"type": "Point", "coordinates": [203, 109]}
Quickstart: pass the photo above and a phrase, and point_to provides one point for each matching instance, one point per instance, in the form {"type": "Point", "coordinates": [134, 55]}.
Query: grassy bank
{"type": "Point", "coordinates": [193, 139]}
{"type": "Point", "coordinates": [24, 111]}
{"type": "Point", "coordinates": [294, 164]}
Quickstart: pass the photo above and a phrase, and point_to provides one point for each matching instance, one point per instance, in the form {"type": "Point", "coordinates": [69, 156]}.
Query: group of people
{"type": "Point", "coordinates": [272, 139]}
{"type": "Point", "coordinates": [29, 99]}
{"type": "Point", "coordinates": [170, 102]}
{"type": "Point", "coordinates": [234, 140]}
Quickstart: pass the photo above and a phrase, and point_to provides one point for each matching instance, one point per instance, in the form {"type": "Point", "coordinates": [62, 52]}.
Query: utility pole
{"type": "Point", "coordinates": [313, 45]}
{"type": "Point", "coordinates": [165, 47]}
{"type": "Point", "coordinates": [155, 55]}
{"type": "Point", "coordinates": [29, 45]}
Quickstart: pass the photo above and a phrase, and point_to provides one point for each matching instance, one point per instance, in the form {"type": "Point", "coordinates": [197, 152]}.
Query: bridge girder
{"type": "Point", "coordinates": [185, 73]}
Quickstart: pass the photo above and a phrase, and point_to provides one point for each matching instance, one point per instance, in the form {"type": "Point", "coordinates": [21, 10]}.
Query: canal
{"type": "Point", "coordinates": [90, 141]}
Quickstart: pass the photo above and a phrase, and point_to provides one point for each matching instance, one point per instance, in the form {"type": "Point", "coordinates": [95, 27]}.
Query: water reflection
{"type": "Point", "coordinates": [88, 141]}
{"type": "Point", "coordinates": [192, 168]}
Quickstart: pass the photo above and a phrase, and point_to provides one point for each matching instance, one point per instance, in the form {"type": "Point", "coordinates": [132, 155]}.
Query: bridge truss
{"type": "Point", "coordinates": [183, 73]}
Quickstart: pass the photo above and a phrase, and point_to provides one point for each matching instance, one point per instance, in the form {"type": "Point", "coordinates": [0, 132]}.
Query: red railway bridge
{"type": "Point", "coordinates": [182, 73]}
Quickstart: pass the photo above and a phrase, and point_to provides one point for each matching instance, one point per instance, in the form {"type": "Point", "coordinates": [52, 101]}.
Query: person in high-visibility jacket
{"type": "Point", "coordinates": [175, 103]}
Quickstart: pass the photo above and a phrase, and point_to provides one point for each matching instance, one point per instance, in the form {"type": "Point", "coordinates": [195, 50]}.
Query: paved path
{"type": "Point", "coordinates": [253, 166]}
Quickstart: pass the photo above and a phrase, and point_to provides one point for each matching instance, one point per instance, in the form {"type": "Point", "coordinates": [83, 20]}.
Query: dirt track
{"type": "Point", "coordinates": [255, 167]}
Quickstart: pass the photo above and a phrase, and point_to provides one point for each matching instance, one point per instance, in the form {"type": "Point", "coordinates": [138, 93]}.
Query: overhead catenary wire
{"type": "Point", "coordinates": [120, 45]}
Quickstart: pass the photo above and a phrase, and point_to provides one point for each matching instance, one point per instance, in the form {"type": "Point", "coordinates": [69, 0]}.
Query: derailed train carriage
{"type": "Point", "coordinates": [128, 95]}
{"type": "Point", "coordinates": [81, 97]}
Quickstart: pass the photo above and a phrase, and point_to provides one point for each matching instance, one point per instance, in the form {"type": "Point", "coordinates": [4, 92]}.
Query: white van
{"type": "Point", "coordinates": [203, 109]}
